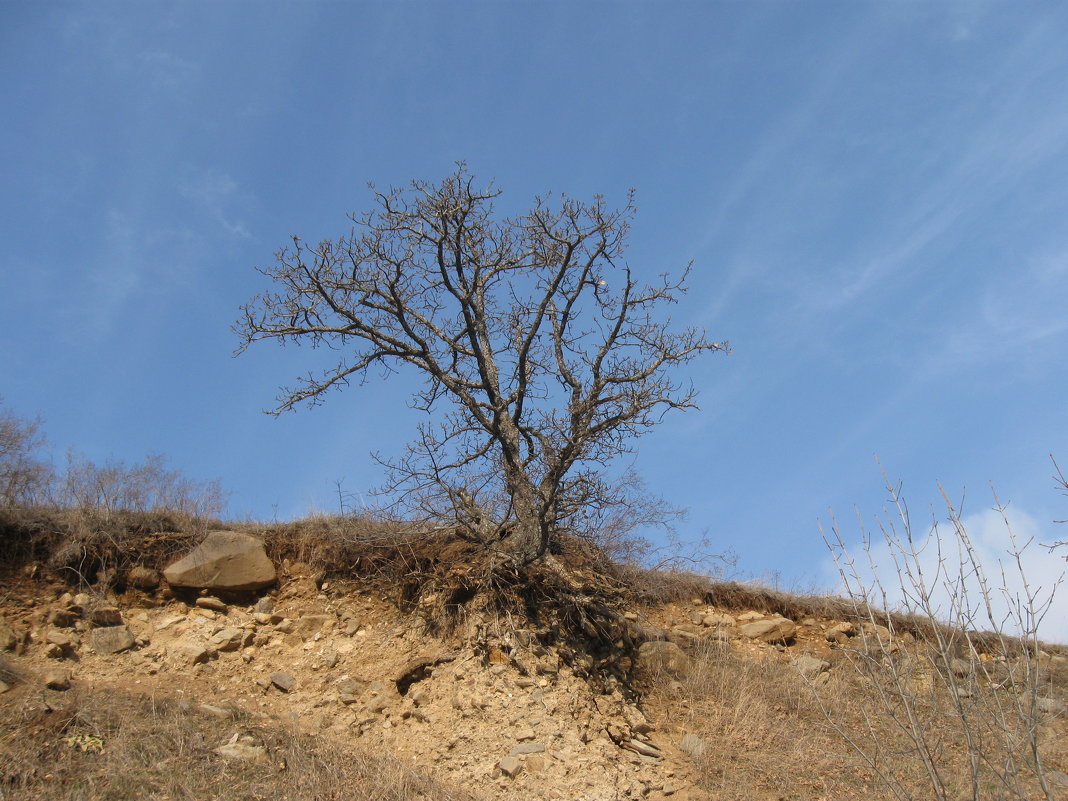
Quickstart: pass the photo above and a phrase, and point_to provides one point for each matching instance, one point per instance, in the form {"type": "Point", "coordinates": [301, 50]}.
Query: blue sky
{"type": "Point", "coordinates": [874, 197]}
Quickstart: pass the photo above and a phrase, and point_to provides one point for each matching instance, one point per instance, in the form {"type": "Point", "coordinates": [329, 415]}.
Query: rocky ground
{"type": "Point", "coordinates": [487, 707]}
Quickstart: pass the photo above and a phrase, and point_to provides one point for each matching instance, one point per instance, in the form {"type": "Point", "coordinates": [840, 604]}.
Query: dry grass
{"type": "Point", "coordinates": [124, 747]}
{"type": "Point", "coordinates": [766, 738]}
{"type": "Point", "coordinates": [773, 734]}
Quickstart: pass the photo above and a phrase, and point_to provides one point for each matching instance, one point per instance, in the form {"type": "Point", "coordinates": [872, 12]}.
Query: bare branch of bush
{"type": "Point", "coordinates": [24, 478]}
{"type": "Point", "coordinates": [962, 694]}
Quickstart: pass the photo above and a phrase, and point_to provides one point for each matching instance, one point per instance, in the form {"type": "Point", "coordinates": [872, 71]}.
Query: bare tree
{"type": "Point", "coordinates": [549, 354]}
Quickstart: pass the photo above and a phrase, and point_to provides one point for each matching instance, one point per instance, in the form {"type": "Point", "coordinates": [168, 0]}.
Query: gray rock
{"type": "Point", "coordinates": [214, 604]}
{"type": "Point", "coordinates": [642, 749]}
{"type": "Point", "coordinates": [773, 630]}
{"type": "Point", "coordinates": [309, 625]}
{"type": "Point", "coordinates": [225, 560]}
{"type": "Point", "coordinates": [142, 578]}
{"type": "Point", "coordinates": [510, 766]}
{"type": "Point", "coordinates": [378, 704]}
{"type": "Point", "coordinates": [264, 606]}
{"type": "Point", "coordinates": [190, 653]}
{"type": "Point", "coordinates": [62, 618]}
{"type": "Point", "coordinates": [61, 638]}
{"type": "Point", "coordinates": [693, 745]}
{"type": "Point", "coordinates": [809, 666]}
{"type": "Point", "coordinates": [1051, 706]}
{"type": "Point", "coordinates": [111, 639]}
{"type": "Point", "coordinates": [106, 616]}
{"type": "Point", "coordinates": [56, 679]}
{"type": "Point", "coordinates": [839, 632]}
{"type": "Point", "coordinates": [10, 639]}
{"type": "Point", "coordinates": [659, 657]}
{"type": "Point", "coordinates": [717, 620]}
{"type": "Point", "coordinates": [283, 681]}
{"type": "Point", "coordinates": [230, 639]}
{"type": "Point", "coordinates": [528, 748]}
{"type": "Point", "coordinates": [242, 751]}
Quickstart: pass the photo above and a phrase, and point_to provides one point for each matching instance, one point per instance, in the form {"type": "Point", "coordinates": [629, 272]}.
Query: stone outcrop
{"type": "Point", "coordinates": [226, 561]}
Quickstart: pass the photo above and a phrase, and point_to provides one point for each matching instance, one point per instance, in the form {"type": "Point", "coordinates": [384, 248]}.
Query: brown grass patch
{"type": "Point", "coordinates": [121, 747]}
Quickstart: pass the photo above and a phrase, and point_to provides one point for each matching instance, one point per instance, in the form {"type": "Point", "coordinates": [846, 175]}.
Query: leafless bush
{"type": "Point", "coordinates": [139, 487]}
{"type": "Point", "coordinates": [24, 478]}
{"type": "Point", "coordinates": [954, 710]}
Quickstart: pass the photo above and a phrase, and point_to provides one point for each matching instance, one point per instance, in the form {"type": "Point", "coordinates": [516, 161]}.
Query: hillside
{"type": "Point", "coordinates": [378, 667]}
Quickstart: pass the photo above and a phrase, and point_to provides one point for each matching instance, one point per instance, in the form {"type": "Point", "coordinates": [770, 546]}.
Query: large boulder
{"type": "Point", "coordinates": [225, 560]}
{"type": "Point", "coordinates": [774, 630]}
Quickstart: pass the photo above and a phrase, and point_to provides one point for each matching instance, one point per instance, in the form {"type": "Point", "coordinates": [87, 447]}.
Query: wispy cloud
{"type": "Point", "coordinates": [217, 193]}
{"type": "Point", "coordinates": [166, 69]}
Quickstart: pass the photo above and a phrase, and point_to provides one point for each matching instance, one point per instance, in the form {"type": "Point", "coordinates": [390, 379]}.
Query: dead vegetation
{"type": "Point", "coordinates": [104, 746]}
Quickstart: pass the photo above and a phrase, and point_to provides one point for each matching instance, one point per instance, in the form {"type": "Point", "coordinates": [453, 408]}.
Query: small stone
{"type": "Point", "coordinates": [111, 640]}
{"type": "Point", "coordinates": [61, 638]}
{"type": "Point", "coordinates": [263, 618]}
{"type": "Point", "coordinates": [525, 733]}
{"type": "Point", "coordinates": [1051, 706]}
{"type": "Point", "coordinates": [214, 604]}
{"type": "Point", "coordinates": [283, 681]}
{"type": "Point", "coordinates": [264, 605]}
{"type": "Point", "coordinates": [55, 679]}
{"type": "Point", "coordinates": [308, 626]}
{"type": "Point", "coordinates": [839, 633]}
{"type": "Point", "coordinates": [53, 651]}
{"type": "Point", "coordinates": [242, 751]}
{"type": "Point", "coordinates": [106, 616]}
{"type": "Point", "coordinates": [4, 687]}
{"type": "Point", "coordinates": [668, 789]}
{"type": "Point", "coordinates": [143, 578]}
{"type": "Point", "coordinates": [642, 749]}
{"type": "Point", "coordinates": [62, 618]}
{"type": "Point", "coordinates": [192, 653]}
{"type": "Point", "coordinates": [773, 630]}
{"type": "Point", "coordinates": [166, 623]}
{"type": "Point", "coordinates": [809, 666]}
{"type": "Point", "coordinates": [510, 766]}
{"type": "Point", "coordinates": [660, 657]}
{"type": "Point", "coordinates": [693, 745]}
{"type": "Point", "coordinates": [717, 621]}
{"type": "Point", "coordinates": [527, 748]}
{"type": "Point", "coordinates": [230, 639]}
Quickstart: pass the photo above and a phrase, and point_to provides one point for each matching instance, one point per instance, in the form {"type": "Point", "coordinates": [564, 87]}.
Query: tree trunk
{"type": "Point", "coordinates": [529, 539]}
